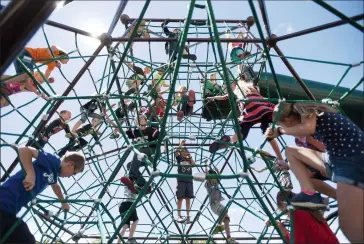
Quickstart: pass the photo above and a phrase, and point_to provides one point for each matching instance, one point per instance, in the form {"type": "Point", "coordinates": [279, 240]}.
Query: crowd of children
{"type": "Point", "coordinates": [329, 147]}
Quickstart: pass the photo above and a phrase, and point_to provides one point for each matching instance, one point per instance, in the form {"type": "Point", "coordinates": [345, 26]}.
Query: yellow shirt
{"type": "Point", "coordinates": [161, 82]}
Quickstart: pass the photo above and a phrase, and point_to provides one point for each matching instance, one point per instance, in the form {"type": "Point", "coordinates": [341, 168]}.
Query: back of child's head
{"type": "Point", "coordinates": [213, 172]}
{"type": "Point", "coordinates": [301, 110]}
{"type": "Point", "coordinates": [77, 158]}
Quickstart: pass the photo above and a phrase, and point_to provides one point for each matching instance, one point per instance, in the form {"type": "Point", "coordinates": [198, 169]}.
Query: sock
{"type": "Point", "coordinates": [308, 192]}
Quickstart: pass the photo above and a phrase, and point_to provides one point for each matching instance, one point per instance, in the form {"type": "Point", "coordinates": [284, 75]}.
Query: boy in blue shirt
{"type": "Point", "coordinates": [16, 192]}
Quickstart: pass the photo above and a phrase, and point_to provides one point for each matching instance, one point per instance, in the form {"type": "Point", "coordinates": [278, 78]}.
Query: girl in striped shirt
{"type": "Point", "coordinates": [251, 113]}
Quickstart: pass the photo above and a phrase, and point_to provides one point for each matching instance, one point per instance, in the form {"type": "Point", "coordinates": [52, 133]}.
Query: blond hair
{"type": "Point", "coordinates": [301, 109]}
{"type": "Point", "coordinates": [76, 157]}
{"type": "Point", "coordinates": [244, 88]}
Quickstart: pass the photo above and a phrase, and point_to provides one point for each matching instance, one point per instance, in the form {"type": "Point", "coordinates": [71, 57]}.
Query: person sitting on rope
{"type": "Point", "coordinates": [17, 191]}
{"type": "Point", "coordinates": [184, 186]}
{"type": "Point", "coordinates": [125, 205]}
{"type": "Point", "coordinates": [135, 181]}
{"type": "Point", "coordinates": [88, 110]}
{"type": "Point", "coordinates": [184, 100]}
{"type": "Point", "coordinates": [252, 113]}
{"type": "Point", "coordinates": [158, 83]}
{"type": "Point", "coordinates": [210, 87]}
{"type": "Point", "coordinates": [344, 143]}
{"type": "Point", "coordinates": [215, 199]}
{"type": "Point", "coordinates": [76, 144]}
{"type": "Point", "coordinates": [8, 89]}
{"type": "Point", "coordinates": [30, 56]}
{"type": "Point", "coordinates": [53, 128]}
{"type": "Point", "coordinates": [309, 226]}
{"type": "Point", "coordinates": [171, 47]}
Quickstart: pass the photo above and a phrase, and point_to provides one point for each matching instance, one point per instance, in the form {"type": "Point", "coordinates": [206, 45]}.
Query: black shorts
{"type": "Point", "coordinates": [124, 207]}
{"type": "Point", "coordinates": [20, 235]}
{"type": "Point", "coordinates": [184, 190]}
{"type": "Point", "coordinates": [317, 174]}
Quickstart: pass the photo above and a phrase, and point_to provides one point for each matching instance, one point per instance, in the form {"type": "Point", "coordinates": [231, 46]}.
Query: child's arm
{"type": "Point", "coordinates": [165, 28]}
{"type": "Point", "coordinates": [26, 154]}
{"type": "Point", "coordinates": [319, 145]}
{"type": "Point", "coordinates": [224, 97]}
{"type": "Point", "coordinates": [58, 192]}
{"type": "Point", "coordinates": [306, 128]}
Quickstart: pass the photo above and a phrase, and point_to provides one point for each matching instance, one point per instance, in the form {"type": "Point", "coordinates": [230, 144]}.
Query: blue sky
{"type": "Point", "coordinates": [342, 44]}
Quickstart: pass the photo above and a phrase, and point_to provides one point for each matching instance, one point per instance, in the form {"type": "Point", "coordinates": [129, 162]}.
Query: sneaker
{"type": "Point", "coordinates": [219, 228]}
{"type": "Point", "coordinates": [132, 241]}
{"type": "Point", "coordinates": [180, 115]}
{"type": "Point", "coordinates": [181, 219]}
{"type": "Point", "coordinates": [280, 165]}
{"type": "Point", "coordinates": [285, 181]}
{"type": "Point", "coordinates": [308, 201]}
{"type": "Point", "coordinates": [232, 240]}
{"type": "Point", "coordinates": [188, 220]}
{"type": "Point", "coordinates": [114, 136]}
{"type": "Point", "coordinates": [217, 145]}
{"type": "Point", "coordinates": [191, 98]}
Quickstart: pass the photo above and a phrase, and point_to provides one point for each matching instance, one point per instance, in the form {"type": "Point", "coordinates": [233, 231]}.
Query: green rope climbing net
{"type": "Point", "coordinates": [95, 195]}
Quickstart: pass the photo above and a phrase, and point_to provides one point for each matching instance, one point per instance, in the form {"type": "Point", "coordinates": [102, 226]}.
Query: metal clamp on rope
{"type": "Point", "coordinates": [251, 159]}
{"type": "Point", "coordinates": [356, 64]}
{"type": "Point", "coordinates": [141, 156]}
{"type": "Point", "coordinates": [52, 97]}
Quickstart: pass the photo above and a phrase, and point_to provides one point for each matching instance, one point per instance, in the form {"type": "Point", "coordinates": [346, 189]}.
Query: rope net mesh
{"type": "Point", "coordinates": [96, 193]}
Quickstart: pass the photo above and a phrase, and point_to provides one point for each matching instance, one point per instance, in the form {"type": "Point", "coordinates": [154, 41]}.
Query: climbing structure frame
{"type": "Point", "coordinates": [97, 192]}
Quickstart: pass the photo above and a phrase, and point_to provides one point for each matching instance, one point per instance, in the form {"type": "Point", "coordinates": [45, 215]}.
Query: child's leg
{"type": "Point", "coordinates": [179, 206]}
{"type": "Point", "coordinates": [324, 188]}
{"type": "Point", "coordinates": [227, 226]}
{"type": "Point", "coordinates": [77, 125]}
{"type": "Point", "coordinates": [351, 211]}
{"type": "Point", "coordinates": [191, 98]}
{"type": "Point", "coordinates": [96, 116]}
{"type": "Point", "coordinates": [122, 232]}
{"type": "Point", "coordinates": [133, 228]}
{"type": "Point", "coordinates": [300, 170]}
{"type": "Point", "coordinates": [305, 157]}
{"type": "Point", "coordinates": [188, 206]}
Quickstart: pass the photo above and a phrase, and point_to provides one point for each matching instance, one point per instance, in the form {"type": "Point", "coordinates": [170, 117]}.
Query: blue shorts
{"type": "Point", "coordinates": [26, 58]}
{"type": "Point", "coordinates": [348, 170]}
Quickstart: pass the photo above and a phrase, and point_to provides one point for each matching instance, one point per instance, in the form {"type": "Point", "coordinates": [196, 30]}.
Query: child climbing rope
{"type": "Point", "coordinates": [135, 180]}
{"type": "Point", "coordinates": [344, 143]}
{"type": "Point", "coordinates": [210, 87]}
{"type": "Point", "coordinates": [137, 79]}
{"type": "Point", "coordinates": [185, 101]}
{"type": "Point", "coordinates": [125, 205]}
{"type": "Point", "coordinates": [158, 82]}
{"type": "Point", "coordinates": [252, 113]}
{"type": "Point", "coordinates": [18, 191]}
{"type": "Point", "coordinates": [309, 226]}
{"type": "Point", "coordinates": [53, 128]}
{"type": "Point", "coordinates": [76, 144]}
{"type": "Point", "coordinates": [215, 199]}
{"type": "Point", "coordinates": [9, 89]}
{"type": "Point", "coordinates": [30, 56]}
{"type": "Point", "coordinates": [171, 47]}
{"type": "Point", "coordinates": [88, 110]}
{"type": "Point", "coordinates": [184, 186]}
{"type": "Point", "coordinates": [237, 52]}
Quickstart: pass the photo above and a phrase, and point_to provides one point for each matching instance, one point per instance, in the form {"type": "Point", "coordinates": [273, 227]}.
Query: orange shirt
{"type": "Point", "coordinates": [43, 53]}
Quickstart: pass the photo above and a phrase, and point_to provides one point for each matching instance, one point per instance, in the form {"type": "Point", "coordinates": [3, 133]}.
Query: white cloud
{"type": "Point", "coordinates": [284, 28]}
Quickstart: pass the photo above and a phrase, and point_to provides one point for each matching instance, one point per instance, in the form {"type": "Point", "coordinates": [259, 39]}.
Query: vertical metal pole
{"type": "Point", "coordinates": [119, 11]}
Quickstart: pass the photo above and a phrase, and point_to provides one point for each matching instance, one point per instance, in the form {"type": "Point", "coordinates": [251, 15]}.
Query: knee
{"type": "Point", "coordinates": [289, 152]}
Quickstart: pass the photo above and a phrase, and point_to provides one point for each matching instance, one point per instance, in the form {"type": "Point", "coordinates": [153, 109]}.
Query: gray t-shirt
{"type": "Point", "coordinates": [214, 192]}
{"type": "Point", "coordinates": [184, 168]}
{"type": "Point", "coordinates": [128, 196]}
